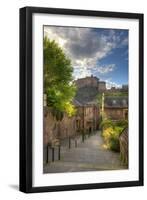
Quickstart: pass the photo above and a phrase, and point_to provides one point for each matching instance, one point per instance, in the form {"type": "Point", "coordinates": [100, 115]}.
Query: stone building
{"type": "Point", "coordinates": [101, 86]}
{"type": "Point", "coordinates": [116, 108]}
{"type": "Point", "coordinates": [113, 89]}
{"type": "Point", "coordinates": [87, 108]}
{"type": "Point", "coordinates": [87, 117]}
{"type": "Point", "coordinates": [91, 81]}
{"type": "Point", "coordinates": [87, 81]}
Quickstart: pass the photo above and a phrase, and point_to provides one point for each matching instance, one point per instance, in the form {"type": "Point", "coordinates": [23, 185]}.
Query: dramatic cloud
{"type": "Point", "coordinates": [86, 47]}
{"type": "Point", "coordinates": [106, 69]}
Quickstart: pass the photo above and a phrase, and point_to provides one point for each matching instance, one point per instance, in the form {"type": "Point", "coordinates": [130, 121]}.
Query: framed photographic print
{"type": "Point", "coordinates": [81, 99]}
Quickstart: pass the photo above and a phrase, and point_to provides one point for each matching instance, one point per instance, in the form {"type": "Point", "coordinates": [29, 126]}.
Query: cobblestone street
{"type": "Point", "coordinates": [89, 155]}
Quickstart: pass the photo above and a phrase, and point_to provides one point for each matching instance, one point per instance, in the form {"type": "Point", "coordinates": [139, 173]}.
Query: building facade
{"type": "Point", "coordinates": [87, 118]}
{"type": "Point", "coordinates": [116, 108]}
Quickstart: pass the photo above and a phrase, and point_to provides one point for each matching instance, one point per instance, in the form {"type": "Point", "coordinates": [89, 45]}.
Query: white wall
{"type": "Point", "coordinates": [9, 84]}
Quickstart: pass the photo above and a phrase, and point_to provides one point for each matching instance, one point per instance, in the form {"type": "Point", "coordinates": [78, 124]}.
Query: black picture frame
{"type": "Point", "coordinates": [26, 92]}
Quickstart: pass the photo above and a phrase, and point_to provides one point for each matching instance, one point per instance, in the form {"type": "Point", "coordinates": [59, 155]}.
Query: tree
{"type": "Point", "coordinates": [58, 84]}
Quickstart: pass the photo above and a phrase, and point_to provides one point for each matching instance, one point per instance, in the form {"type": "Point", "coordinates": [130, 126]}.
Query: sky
{"type": "Point", "coordinates": [94, 51]}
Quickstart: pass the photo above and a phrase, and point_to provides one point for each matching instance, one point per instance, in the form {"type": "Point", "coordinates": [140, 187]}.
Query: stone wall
{"type": "Point", "coordinates": [54, 130]}
{"type": "Point", "coordinates": [116, 113]}
{"type": "Point", "coordinates": [123, 139]}
{"type": "Point", "coordinates": [86, 118]}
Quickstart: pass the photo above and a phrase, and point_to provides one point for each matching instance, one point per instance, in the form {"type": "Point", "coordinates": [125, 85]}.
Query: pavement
{"type": "Point", "coordinates": [89, 155]}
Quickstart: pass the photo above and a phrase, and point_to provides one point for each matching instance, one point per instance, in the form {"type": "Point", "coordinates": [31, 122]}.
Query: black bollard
{"type": "Point", "coordinates": [69, 142]}
{"type": "Point", "coordinates": [53, 158]}
{"type": "Point", "coordinates": [59, 152]}
{"type": "Point", "coordinates": [47, 154]}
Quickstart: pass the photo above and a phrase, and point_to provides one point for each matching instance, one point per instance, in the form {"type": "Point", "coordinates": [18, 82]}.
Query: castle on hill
{"type": "Point", "coordinates": [100, 86]}
{"type": "Point", "coordinates": [91, 81]}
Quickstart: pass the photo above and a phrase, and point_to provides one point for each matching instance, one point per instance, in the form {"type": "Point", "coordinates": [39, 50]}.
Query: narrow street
{"type": "Point", "coordinates": [89, 155]}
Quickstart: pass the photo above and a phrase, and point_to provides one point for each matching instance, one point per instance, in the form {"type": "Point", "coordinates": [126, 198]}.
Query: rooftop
{"type": "Point", "coordinates": [117, 101]}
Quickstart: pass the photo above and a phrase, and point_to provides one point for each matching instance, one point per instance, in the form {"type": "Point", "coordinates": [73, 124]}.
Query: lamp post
{"type": "Point", "coordinates": [102, 109]}
{"type": "Point", "coordinates": [103, 106]}
{"type": "Point", "coordinates": [83, 124]}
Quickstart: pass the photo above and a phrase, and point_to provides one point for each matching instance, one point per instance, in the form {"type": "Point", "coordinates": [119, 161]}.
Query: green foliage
{"type": "Point", "coordinates": [58, 79]}
{"type": "Point", "coordinates": [111, 132]}
{"type": "Point", "coordinates": [114, 140]}
{"type": "Point", "coordinates": [107, 123]}
{"type": "Point", "coordinates": [57, 67]}
{"type": "Point", "coordinates": [111, 138]}
{"type": "Point", "coordinates": [122, 123]}
{"type": "Point", "coordinates": [114, 144]}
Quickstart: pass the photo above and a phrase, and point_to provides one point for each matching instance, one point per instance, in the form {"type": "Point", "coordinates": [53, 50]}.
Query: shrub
{"type": "Point", "coordinates": [111, 137]}
{"type": "Point", "coordinates": [111, 131]}
{"type": "Point", "coordinates": [122, 123]}
{"type": "Point", "coordinates": [114, 144]}
{"type": "Point", "coordinates": [107, 123]}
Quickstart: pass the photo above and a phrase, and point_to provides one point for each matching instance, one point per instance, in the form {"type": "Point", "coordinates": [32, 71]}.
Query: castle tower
{"type": "Point", "coordinates": [102, 86]}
